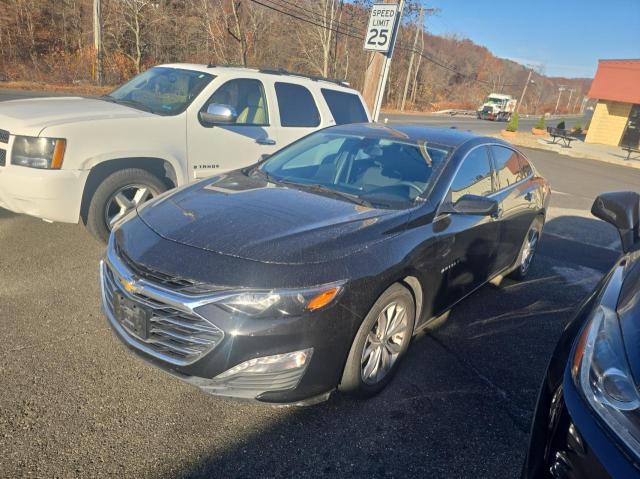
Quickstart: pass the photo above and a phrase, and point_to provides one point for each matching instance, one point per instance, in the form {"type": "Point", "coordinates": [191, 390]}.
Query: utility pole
{"type": "Point", "coordinates": [419, 32]}
{"type": "Point", "coordinates": [378, 70]}
{"type": "Point", "coordinates": [571, 90]}
{"type": "Point", "coordinates": [524, 90]}
{"type": "Point", "coordinates": [97, 39]}
{"type": "Point", "coordinates": [561, 88]}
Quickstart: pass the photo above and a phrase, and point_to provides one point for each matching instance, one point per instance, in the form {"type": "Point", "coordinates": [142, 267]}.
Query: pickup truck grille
{"type": "Point", "coordinates": [3, 157]}
{"type": "Point", "coordinates": [4, 136]}
{"type": "Point", "coordinates": [172, 335]}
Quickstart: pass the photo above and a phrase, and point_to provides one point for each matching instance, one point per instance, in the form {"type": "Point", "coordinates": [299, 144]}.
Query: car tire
{"type": "Point", "coordinates": [528, 250]}
{"type": "Point", "coordinates": [366, 373]}
{"type": "Point", "coordinates": [105, 198]}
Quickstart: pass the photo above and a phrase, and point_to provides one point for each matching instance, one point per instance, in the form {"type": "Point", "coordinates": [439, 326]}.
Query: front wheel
{"type": "Point", "coordinates": [120, 193]}
{"type": "Point", "coordinates": [381, 341]}
{"type": "Point", "coordinates": [528, 249]}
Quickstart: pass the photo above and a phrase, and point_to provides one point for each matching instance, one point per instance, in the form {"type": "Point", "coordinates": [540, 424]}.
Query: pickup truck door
{"type": "Point", "coordinates": [222, 147]}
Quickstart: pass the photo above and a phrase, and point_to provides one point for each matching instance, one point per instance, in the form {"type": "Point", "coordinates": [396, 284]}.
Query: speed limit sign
{"type": "Point", "coordinates": [381, 24]}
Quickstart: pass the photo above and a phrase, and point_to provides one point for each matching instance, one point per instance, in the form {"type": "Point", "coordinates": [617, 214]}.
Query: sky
{"type": "Point", "coordinates": [565, 37]}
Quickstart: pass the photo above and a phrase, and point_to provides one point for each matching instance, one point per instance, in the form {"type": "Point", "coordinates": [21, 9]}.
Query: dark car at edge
{"type": "Point", "coordinates": [312, 270]}
{"type": "Point", "coordinates": [587, 419]}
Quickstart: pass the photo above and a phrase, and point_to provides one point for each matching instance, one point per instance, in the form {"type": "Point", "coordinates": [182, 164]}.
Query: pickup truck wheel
{"type": "Point", "coordinates": [118, 194]}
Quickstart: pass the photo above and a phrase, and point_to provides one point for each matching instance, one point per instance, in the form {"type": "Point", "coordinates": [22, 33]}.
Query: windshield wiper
{"type": "Point", "coordinates": [132, 103]}
{"type": "Point", "coordinates": [317, 187]}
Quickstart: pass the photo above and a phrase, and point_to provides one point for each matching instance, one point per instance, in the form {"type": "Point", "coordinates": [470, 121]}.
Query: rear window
{"type": "Point", "coordinates": [297, 107]}
{"type": "Point", "coordinates": [345, 107]}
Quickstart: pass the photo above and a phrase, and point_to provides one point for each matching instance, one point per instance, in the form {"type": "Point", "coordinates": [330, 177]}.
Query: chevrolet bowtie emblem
{"type": "Point", "coordinates": [129, 286]}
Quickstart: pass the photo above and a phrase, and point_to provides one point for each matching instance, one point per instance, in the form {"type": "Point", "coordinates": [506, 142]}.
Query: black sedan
{"type": "Point", "coordinates": [313, 269]}
{"type": "Point", "coordinates": [587, 420]}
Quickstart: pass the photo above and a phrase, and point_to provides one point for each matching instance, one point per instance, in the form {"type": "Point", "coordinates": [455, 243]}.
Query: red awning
{"type": "Point", "coordinates": [617, 80]}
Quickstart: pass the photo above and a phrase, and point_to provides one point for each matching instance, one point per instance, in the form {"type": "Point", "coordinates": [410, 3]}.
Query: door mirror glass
{"type": "Point", "coordinates": [474, 205]}
{"type": "Point", "coordinates": [622, 210]}
{"type": "Point", "coordinates": [218, 113]}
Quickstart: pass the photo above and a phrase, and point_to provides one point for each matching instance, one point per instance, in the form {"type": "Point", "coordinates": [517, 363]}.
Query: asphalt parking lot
{"type": "Point", "coordinates": [74, 403]}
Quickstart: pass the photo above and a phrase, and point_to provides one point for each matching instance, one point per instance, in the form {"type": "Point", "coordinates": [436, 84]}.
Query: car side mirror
{"type": "Point", "coordinates": [622, 210]}
{"type": "Point", "coordinates": [473, 205]}
{"type": "Point", "coordinates": [218, 113]}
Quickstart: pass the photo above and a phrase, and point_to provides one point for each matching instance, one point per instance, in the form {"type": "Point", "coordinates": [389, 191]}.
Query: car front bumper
{"type": "Point", "coordinates": [53, 195]}
{"type": "Point", "coordinates": [325, 336]}
{"type": "Point", "coordinates": [575, 444]}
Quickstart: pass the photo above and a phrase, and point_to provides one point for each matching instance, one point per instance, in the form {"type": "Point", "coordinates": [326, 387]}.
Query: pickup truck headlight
{"type": "Point", "coordinates": [602, 373]}
{"type": "Point", "coordinates": [37, 152]}
{"type": "Point", "coordinates": [281, 303]}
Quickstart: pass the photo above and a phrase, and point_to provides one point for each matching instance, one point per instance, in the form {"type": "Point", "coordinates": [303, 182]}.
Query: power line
{"type": "Point", "coordinates": [316, 15]}
{"type": "Point", "coordinates": [429, 58]}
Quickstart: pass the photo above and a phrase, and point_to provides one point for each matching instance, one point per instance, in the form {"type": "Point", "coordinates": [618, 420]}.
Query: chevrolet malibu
{"type": "Point", "coordinates": [312, 270]}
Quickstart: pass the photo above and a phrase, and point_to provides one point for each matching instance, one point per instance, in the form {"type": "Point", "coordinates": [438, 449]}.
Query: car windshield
{"type": "Point", "coordinates": [161, 90]}
{"type": "Point", "coordinates": [494, 100]}
{"type": "Point", "coordinates": [382, 172]}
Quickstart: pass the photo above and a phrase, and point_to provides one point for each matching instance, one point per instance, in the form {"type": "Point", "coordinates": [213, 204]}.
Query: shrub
{"type": "Point", "coordinates": [561, 125]}
{"type": "Point", "coordinates": [513, 123]}
{"type": "Point", "coordinates": [540, 124]}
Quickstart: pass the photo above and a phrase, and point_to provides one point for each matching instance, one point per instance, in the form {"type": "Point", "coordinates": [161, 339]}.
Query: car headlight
{"type": "Point", "coordinates": [602, 373]}
{"type": "Point", "coordinates": [281, 303]}
{"type": "Point", "coordinates": [36, 152]}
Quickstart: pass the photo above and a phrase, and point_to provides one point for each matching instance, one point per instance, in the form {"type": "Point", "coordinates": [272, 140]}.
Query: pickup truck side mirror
{"type": "Point", "coordinates": [622, 210]}
{"type": "Point", "coordinates": [473, 205]}
{"type": "Point", "coordinates": [218, 113]}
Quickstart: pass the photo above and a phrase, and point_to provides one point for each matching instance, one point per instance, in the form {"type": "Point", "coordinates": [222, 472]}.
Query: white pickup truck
{"type": "Point", "coordinates": [95, 159]}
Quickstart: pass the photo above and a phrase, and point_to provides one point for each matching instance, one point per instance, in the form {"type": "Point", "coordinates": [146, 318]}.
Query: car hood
{"type": "Point", "coordinates": [31, 116]}
{"type": "Point", "coordinates": [253, 219]}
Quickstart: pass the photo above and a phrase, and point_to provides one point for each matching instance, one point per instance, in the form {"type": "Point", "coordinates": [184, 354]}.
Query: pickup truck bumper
{"type": "Point", "coordinates": [53, 195]}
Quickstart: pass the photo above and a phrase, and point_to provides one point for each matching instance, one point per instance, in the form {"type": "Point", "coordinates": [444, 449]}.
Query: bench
{"type": "Point", "coordinates": [631, 149]}
{"type": "Point", "coordinates": [558, 134]}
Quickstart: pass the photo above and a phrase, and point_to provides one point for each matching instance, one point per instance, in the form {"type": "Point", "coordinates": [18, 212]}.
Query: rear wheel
{"type": "Point", "coordinates": [380, 343]}
{"type": "Point", "coordinates": [528, 249]}
{"type": "Point", "coordinates": [120, 193]}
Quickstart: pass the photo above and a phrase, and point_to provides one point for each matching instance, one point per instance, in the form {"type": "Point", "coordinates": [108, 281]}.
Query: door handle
{"type": "Point", "coordinates": [528, 196]}
{"type": "Point", "coordinates": [265, 141]}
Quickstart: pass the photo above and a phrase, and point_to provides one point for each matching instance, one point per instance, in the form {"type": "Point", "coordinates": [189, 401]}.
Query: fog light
{"type": "Point", "coordinates": [270, 364]}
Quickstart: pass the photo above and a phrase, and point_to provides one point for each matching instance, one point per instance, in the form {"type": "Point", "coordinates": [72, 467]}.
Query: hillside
{"type": "Point", "coordinates": [52, 41]}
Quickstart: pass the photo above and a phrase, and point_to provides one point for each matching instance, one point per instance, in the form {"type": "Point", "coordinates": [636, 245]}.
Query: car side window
{"type": "Point", "coordinates": [474, 176]}
{"type": "Point", "coordinates": [246, 96]}
{"type": "Point", "coordinates": [345, 107]}
{"type": "Point", "coordinates": [297, 106]}
{"type": "Point", "coordinates": [508, 166]}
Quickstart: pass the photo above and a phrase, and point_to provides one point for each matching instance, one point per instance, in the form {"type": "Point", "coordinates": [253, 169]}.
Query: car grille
{"type": "Point", "coordinates": [173, 335]}
{"type": "Point", "coordinates": [4, 136]}
{"type": "Point", "coordinates": [175, 283]}
{"type": "Point", "coordinates": [3, 157]}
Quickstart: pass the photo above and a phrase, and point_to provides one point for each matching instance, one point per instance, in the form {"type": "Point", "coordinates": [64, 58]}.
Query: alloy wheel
{"type": "Point", "coordinates": [125, 200]}
{"type": "Point", "coordinates": [529, 248]}
{"type": "Point", "coordinates": [384, 343]}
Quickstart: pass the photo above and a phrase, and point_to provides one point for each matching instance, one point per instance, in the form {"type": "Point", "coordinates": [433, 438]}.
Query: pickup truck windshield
{"type": "Point", "coordinates": [380, 171]}
{"type": "Point", "coordinates": [161, 90]}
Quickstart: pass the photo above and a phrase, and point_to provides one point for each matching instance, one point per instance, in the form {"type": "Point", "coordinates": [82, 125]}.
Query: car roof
{"type": "Point", "coordinates": [413, 133]}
